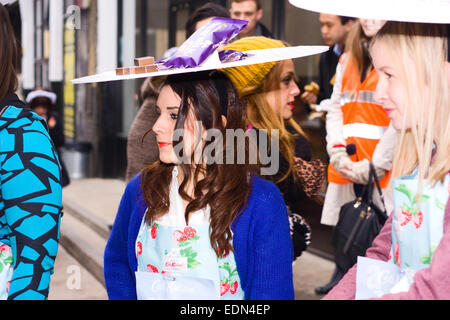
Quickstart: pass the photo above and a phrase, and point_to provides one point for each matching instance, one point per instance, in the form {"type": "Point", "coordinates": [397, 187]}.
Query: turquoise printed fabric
{"type": "Point", "coordinates": [30, 201]}
{"type": "Point", "coordinates": [418, 222]}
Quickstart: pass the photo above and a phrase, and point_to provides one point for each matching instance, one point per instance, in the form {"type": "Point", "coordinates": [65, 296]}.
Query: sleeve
{"type": "Point", "coordinates": [384, 151]}
{"type": "Point", "coordinates": [272, 278]}
{"type": "Point", "coordinates": [32, 193]}
{"type": "Point", "coordinates": [322, 66]}
{"type": "Point", "coordinates": [334, 118]}
{"type": "Point", "coordinates": [381, 246]}
{"type": "Point", "coordinates": [119, 278]}
{"type": "Point", "coordinates": [57, 133]}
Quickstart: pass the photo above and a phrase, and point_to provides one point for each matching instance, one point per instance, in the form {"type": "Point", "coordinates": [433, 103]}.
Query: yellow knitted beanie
{"type": "Point", "coordinates": [246, 78]}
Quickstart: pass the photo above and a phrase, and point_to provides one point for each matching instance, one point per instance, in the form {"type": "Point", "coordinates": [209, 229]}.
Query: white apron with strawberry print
{"type": "Point", "coordinates": [6, 270]}
{"type": "Point", "coordinates": [177, 262]}
{"type": "Point", "coordinates": [417, 229]}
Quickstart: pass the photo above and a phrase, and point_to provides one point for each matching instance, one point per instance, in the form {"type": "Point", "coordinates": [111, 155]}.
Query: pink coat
{"type": "Point", "coordinates": [431, 283]}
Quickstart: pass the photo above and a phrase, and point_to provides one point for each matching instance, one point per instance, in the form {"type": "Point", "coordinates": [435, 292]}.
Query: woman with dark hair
{"type": "Point", "coordinates": [192, 228]}
{"type": "Point", "coordinates": [141, 144]}
{"type": "Point", "coordinates": [30, 199]}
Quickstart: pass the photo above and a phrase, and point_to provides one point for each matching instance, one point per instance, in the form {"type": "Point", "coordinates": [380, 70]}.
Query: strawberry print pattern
{"type": "Point", "coordinates": [417, 227]}
{"type": "Point", "coordinates": [186, 251]}
{"type": "Point", "coordinates": [397, 255]}
{"type": "Point", "coordinates": [6, 260]}
{"type": "Point", "coordinates": [228, 284]}
{"type": "Point", "coordinates": [408, 211]}
{"type": "Point", "coordinates": [154, 230]}
{"type": "Point", "coordinates": [152, 268]}
{"type": "Point", "coordinates": [184, 239]}
{"type": "Point", "coordinates": [139, 248]}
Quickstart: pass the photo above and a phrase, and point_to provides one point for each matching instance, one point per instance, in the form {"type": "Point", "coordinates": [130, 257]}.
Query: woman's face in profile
{"type": "Point", "coordinates": [282, 100]}
{"type": "Point", "coordinates": [391, 92]}
{"type": "Point", "coordinates": [168, 108]}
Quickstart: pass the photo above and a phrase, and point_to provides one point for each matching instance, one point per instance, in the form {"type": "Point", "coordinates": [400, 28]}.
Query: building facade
{"type": "Point", "coordinates": [65, 39]}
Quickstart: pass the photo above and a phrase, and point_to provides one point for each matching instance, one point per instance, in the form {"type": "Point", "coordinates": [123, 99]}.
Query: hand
{"type": "Point", "coordinates": [339, 158]}
{"type": "Point", "coordinates": [309, 97]}
{"type": "Point", "coordinates": [51, 122]}
{"type": "Point", "coordinates": [358, 172]}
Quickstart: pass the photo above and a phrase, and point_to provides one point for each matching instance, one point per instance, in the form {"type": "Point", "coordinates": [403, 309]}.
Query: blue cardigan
{"type": "Point", "coordinates": [261, 239]}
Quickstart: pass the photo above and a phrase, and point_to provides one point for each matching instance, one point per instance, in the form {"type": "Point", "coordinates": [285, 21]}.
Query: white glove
{"type": "Point", "coordinates": [358, 172]}
{"type": "Point", "coordinates": [339, 158]}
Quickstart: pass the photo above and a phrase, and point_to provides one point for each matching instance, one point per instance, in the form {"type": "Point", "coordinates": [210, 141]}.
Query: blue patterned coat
{"type": "Point", "coordinates": [30, 199]}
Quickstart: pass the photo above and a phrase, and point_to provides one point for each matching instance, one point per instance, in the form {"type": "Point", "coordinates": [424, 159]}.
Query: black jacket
{"type": "Point", "coordinates": [327, 69]}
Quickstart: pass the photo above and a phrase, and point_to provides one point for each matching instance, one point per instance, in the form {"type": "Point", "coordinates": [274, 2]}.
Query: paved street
{"type": "Point", "coordinates": [71, 281]}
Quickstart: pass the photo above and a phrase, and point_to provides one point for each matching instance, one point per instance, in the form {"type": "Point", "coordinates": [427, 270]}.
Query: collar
{"type": "Point", "coordinates": [337, 50]}
{"type": "Point", "coordinates": [12, 100]}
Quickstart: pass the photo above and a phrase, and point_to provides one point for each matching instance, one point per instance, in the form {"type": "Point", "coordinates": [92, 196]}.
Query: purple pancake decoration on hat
{"type": "Point", "coordinates": [204, 42]}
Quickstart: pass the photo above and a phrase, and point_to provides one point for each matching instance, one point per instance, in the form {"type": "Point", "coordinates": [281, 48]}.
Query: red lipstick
{"type": "Point", "coordinates": [291, 104]}
{"type": "Point", "coordinates": [163, 144]}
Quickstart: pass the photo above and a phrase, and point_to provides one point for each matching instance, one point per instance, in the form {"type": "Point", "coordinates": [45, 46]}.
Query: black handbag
{"type": "Point", "coordinates": [359, 223]}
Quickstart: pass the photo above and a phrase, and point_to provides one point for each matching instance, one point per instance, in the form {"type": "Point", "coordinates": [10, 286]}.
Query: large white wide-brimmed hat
{"type": "Point", "coordinates": [201, 53]}
{"type": "Point", "coordinates": [423, 11]}
{"type": "Point", "coordinates": [213, 62]}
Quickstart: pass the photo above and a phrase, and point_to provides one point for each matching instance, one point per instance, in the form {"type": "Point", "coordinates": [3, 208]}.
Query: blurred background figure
{"type": "Point", "coordinates": [41, 102]}
{"type": "Point", "coordinates": [251, 11]}
{"type": "Point", "coordinates": [203, 15]}
{"type": "Point", "coordinates": [354, 117]}
{"type": "Point", "coordinates": [334, 30]}
{"type": "Point", "coordinates": [141, 144]}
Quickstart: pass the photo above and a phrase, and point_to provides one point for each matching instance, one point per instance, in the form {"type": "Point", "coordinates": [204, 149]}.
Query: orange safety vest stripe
{"type": "Point", "coordinates": [358, 107]}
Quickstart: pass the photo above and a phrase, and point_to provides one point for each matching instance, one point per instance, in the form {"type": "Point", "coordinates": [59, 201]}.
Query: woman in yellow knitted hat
{"type": "Point", "coordinates": [268, 91]}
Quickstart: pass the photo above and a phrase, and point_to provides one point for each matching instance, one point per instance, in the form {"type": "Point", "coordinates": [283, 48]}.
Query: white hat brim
{"type": "Point", "coordinates": [423, 11]}
{"type": "Point", "coordinates": [41, 94]}
{"type": "Point", "coordinates": [256, 57]}
{"type": "Point", "coordinates": [6, 2]}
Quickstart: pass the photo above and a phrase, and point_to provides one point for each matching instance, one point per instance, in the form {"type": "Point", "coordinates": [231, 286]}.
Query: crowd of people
{"type": "Point", "coordinates": [189, 228]}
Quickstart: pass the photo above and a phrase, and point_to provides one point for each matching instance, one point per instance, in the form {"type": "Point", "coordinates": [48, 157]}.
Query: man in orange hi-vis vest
{"type": "Point", "coordinates": [354, 118]}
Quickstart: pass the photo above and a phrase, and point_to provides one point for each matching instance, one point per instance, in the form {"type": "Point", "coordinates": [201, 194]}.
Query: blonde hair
{"type": "Point", "coordinates": [428, 97]}
{"type": "Point", "coordinates": [261, 115]}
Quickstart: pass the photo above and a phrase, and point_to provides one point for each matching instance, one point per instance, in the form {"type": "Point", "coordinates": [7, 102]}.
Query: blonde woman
{"type": "Point", "coordinates": [414, 245]}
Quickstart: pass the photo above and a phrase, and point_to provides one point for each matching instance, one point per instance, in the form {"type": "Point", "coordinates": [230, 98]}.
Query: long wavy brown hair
{"type": "Point", "coordinates": [224, 187]}
{"type": "Point", "coordinates": [8, 56]}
